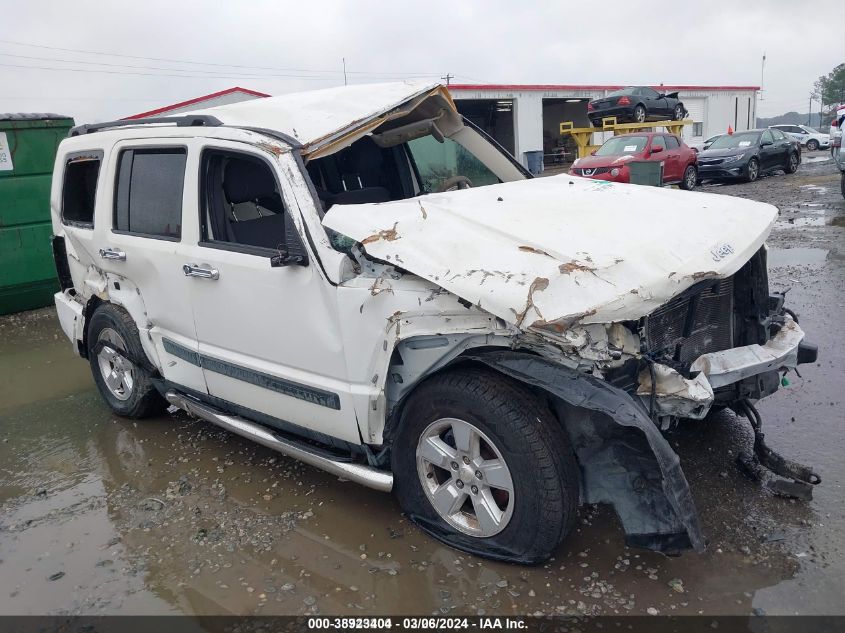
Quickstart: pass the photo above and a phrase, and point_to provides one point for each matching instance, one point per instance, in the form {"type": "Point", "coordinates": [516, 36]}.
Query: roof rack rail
{"type": "Point", "coordinates": [188, 120]}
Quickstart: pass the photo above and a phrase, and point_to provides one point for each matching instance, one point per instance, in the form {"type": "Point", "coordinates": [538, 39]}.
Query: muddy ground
{"type": "Point", "coordinates": [104, 515]}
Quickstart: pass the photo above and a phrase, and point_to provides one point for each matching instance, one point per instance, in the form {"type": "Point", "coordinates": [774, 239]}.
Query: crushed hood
{"type": "Point", "coordinates": [551, 251]}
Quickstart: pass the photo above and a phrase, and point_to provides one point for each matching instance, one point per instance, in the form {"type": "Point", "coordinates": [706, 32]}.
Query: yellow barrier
{"type": "Point", "coordinates": [583, 135]}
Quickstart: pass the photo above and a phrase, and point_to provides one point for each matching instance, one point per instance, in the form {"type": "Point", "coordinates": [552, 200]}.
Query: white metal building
{"type": "Point", "coordinates": [526, 118]}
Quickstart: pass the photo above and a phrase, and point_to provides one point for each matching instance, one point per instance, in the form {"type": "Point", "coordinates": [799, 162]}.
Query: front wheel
{"type": "Point", "coordinates": [752, 170]}
{"type": "Point", "coordinates": [842, 184]}
{"type": "Point", "coordinates": [812, 145]}
{"type": "Point", "coordinates": [690, 178]}
{"type": "Point", "coordinates": [678, 115]}
{"type": "Point", "coordinates": [481, 464]}
{"type": "Point", "coordinates": [792, 163]}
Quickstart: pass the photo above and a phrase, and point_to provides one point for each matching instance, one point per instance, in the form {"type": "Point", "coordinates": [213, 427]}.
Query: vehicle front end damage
{"type": "Point", "coordinates": [623, 336]}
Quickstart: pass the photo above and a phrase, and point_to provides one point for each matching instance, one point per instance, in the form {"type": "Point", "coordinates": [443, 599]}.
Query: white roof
{"type": "Point", "coordinates": [313, 116]}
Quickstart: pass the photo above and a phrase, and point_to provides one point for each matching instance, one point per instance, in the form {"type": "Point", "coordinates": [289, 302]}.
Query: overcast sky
{"type": "Point", "coordinates": [278, 47]}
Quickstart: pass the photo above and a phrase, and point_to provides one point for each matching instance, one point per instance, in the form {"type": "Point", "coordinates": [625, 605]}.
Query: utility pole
{"type": "Point", "coordinates": [448, 78]}
{"type": "Point", "coordinates": [762, 74]}
{"type": "Point", "coordinates": [344, 71]}
{"type": "Point", "coordinates": [810, 113]}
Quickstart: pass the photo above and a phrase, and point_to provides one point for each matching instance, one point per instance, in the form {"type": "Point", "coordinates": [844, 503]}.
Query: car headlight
{"type": "Point", "coordinates": [733, 159]}
{"type": "Point", "coordinates": [614, 171]}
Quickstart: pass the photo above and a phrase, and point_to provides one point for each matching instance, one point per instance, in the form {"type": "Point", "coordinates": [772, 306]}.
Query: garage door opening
{"type": "Point", "coordinates": [557, 149]}
{"type": "Point", "coordinates": [494, 116]}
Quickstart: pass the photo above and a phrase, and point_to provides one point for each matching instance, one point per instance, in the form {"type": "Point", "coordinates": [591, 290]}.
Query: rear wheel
{"type": "Point", "coordinates": [690, 178]}
{"type": "Point", "coordinates": [639, 114]}
{"type": "Point", "coordinates": [842, 184]}
{"type": "Point", "coordinates": [115, 355]}
{"type": "Point", "coordinates": [679, 112]}
{"type": "Point", "coordinates": [484, 466]}
{"type": "Point", "coordinates": [812, 145]}
{"type": "Point", "coordinates": [792, 163]}
{"type": "Point", "coordinates": [752, 170]}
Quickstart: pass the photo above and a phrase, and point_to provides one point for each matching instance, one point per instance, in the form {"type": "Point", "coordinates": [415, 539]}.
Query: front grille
{"type": "Point", "coordinates": [710, 161]}
{"type": "Point", "coordinates": [694, 324]}
{"type": "Point", "coordinates": [591, 171]}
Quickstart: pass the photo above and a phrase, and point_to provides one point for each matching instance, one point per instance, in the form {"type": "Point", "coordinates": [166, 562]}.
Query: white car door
{"type": "Point", "coordinates": [143, 236]}
{"type": "Point", "coordinates": [268, 332]}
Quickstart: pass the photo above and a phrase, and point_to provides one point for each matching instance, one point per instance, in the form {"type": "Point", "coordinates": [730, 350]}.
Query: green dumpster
{"type": "Point", "coordinates": [646, 172]}
{"type": "Point", "coordinates": [28, 144]}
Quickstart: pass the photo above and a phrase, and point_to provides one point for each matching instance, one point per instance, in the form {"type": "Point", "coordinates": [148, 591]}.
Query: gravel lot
{"type": "Point", "coordinates": [171, 515]}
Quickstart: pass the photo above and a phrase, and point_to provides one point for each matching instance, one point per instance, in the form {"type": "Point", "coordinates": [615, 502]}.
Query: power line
{"type": "Point", "coordinates": [200, 63]}
{"type": "Point", "coordinates": [89, 63]}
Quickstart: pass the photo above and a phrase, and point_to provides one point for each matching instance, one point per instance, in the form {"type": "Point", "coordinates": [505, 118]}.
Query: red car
{"type": "Point", "coordinates": [610, 161]}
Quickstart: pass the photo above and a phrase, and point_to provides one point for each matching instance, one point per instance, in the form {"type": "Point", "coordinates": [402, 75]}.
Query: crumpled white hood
{"type": "Point", "coordinates": [551, 251]}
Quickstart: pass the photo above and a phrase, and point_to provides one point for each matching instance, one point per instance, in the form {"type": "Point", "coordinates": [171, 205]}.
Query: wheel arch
{"type": "Point", "coordinates": [624, 459]}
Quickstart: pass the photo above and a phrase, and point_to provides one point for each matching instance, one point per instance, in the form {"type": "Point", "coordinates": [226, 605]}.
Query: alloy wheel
{"type": "Point", "coordinates": [118, 371]}
{"type": "Point", "coordinates": [465, 477]}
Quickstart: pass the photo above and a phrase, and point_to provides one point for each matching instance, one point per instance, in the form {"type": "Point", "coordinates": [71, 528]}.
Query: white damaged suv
{"type": "Point", "coordinates": [361, 279]}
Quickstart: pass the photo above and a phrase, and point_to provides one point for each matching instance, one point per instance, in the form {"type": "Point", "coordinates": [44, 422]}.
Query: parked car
{"type": "Point", "coordinates": [610, 161]}
{"type": "Point", "coordinates": [808, 137]}
{"type": "Point", "coordinates": [702, 145]}
{"type": "Point", "coordinates": [360, 279]}
{"type": "Point", "coordinates": [636, 104]}
{"type": "Point", "coordinates": [748, 154]}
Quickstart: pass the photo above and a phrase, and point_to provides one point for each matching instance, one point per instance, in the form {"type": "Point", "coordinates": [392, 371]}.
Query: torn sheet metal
{"type": "Point", "coordinates": [317, 117]}
{"type": "Point", "coordinates": [552, 251]}
{"type": "Point", "coordinates": [675, 395]}
{"type": "Point", "coordinates": [731, 365]}
{"type": "Point", "coordinates": [634, 468]}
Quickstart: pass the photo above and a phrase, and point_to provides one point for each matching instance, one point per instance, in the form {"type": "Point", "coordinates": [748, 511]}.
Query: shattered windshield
{"type": "Point", "coordinates": [621, 145]}
{"type": "Point", "coordinates": [440, 163]}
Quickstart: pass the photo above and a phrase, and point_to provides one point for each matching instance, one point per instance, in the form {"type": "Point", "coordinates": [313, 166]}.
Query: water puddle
{"type": "Point", "coordinates": [815, 159]}
{"type": "Point", "coordinates": [171, 515]}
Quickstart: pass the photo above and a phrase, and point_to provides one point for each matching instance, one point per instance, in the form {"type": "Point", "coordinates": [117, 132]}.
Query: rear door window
{"type": "Point", "coordinates": [148, 196]}
{"type": "Point", "coordinates": [672, 142]}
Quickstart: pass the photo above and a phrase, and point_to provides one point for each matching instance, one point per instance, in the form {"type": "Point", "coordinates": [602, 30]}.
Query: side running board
{"type": "Point", "coordinates": [365, 475]}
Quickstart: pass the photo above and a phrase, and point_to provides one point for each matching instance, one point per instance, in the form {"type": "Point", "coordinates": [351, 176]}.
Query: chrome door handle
{"type": "Point", "coordinates": [192, 270]}
{"type": "Point", "coordinates": [109, 253]}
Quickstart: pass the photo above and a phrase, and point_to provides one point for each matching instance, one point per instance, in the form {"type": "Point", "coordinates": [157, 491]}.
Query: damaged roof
{"type": "Point", "coordinates": [548, 252]}
{"type": "Point", "coordinates": [318, 116]}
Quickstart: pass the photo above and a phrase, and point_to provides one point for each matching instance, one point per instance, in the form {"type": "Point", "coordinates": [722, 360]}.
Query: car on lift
{"type": "Point", "coordinates": [636, 104]}
{"type": "Point", "coordinates": [610, 161]}
{"type": "Point", "coordinates": [748, 154]}
{"type": "Point", "coordinates": [361, 279]}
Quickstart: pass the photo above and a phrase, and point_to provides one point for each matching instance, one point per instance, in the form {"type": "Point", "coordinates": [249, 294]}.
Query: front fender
{"type": "Point", "coordinates": [625, 460]}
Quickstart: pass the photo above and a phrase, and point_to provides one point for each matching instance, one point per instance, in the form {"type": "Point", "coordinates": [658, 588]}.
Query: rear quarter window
{"type": "Point", "coordinates": [79, 188]}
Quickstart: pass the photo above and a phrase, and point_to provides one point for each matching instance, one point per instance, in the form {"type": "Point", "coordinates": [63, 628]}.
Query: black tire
{"type": "Point", "coordinates": [678, 114]}
{"type": "Point", "coordinates": [812, 145]}
{"type": "Point", "coordinates": [842, 184]}
{"type": "Point", "coordinates": [690, 179]}
{"type": "Point", "coordinates": [752, 170]}
{"type": "Point", "coordinates": [791, 163]}
{"type": "Point", "coordinates": [545, 475]}
{"type": "Point", "coordinates": [640, 114]}
{"type": "Point", "coordinates": [141, 399]}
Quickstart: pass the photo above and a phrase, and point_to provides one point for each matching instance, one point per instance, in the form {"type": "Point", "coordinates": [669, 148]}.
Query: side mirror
{"type": "Point", "coordinates": [656, 149]}
{"type": "Point", "coordinates": [593, 153]}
